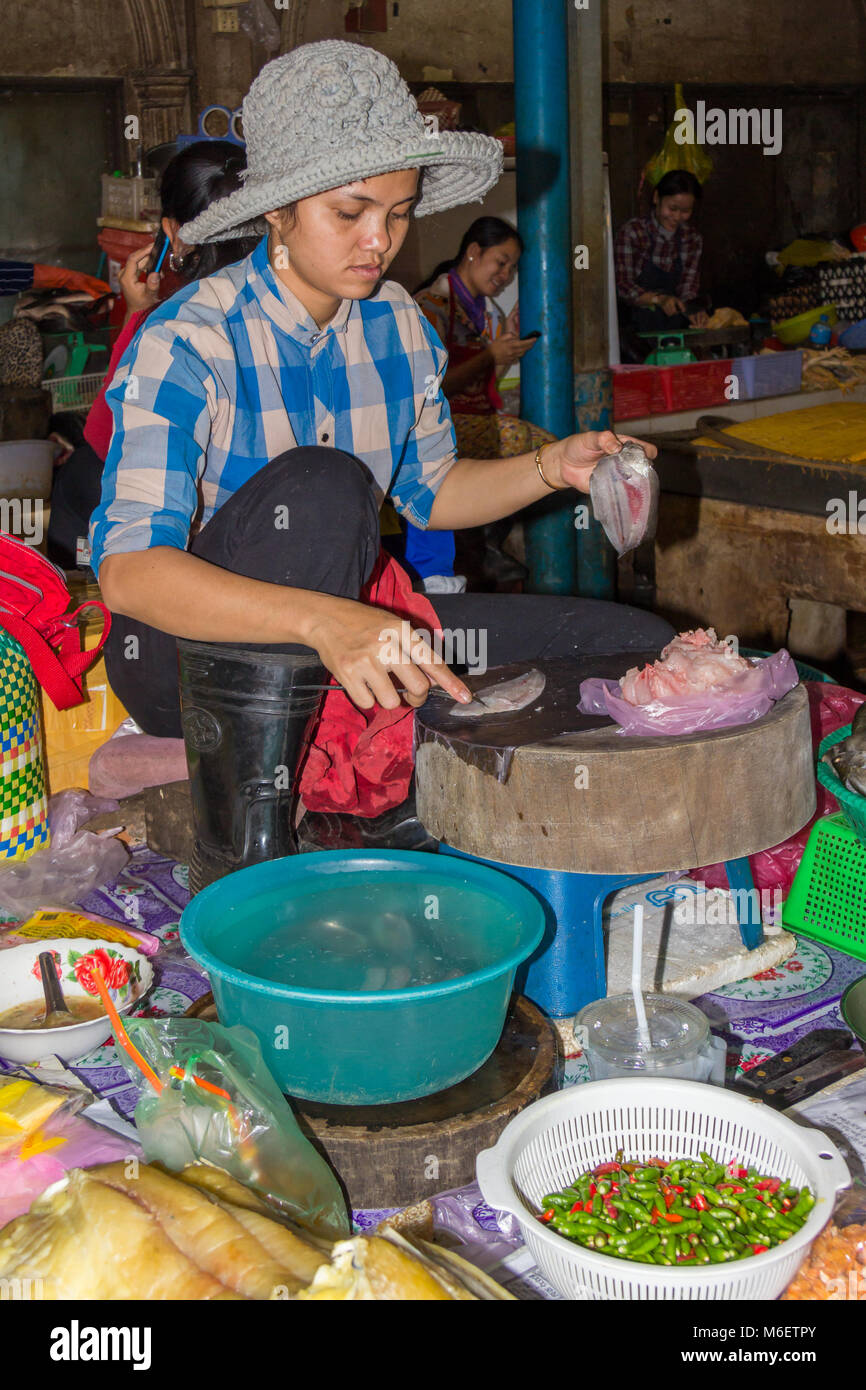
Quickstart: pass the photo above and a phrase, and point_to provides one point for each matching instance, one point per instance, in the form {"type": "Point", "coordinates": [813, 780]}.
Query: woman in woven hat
{"type": "Point", "coordinates": [260, 417]}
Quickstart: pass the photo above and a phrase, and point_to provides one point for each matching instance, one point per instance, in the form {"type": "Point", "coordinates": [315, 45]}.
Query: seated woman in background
{"type": "Point", "coordinates": [658, 261]}
{"type": "Point", "coordinates": [191, 181]}
{"type": "Point", "coordinates": [482, 343]}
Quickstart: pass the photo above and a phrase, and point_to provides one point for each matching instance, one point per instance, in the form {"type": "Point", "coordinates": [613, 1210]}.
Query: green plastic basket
{"type": "Point", "coordinates": [827, 901]}
{"type": "Point", "coordinates": [804, 670]}
{"type": "Point", "coordinates": [854, 806]}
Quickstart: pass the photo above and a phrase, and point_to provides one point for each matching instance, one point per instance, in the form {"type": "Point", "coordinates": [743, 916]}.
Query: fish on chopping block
{"type": "Point", "coordinates": [848, 758]}
{"type": "Point", "coordinates": [504, 698]}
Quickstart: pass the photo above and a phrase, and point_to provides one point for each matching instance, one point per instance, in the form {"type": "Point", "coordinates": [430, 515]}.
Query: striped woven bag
{"type": "Point", "coordinates": [23, 803]}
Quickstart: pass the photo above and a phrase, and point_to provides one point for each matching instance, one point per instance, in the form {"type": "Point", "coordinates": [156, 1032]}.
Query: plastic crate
{"type": "Point", "coordinates": [771, 374]}
{"type": "Point", "coordinates": [827, 901]}
{"type": "Point", "coordinates": [73, 392]}
{"type": "Point", "coordinates": [633, 391]}
{"type": "Point", "coordinates": [128, 198]}
{"type": "Point", "coordinates": [691, 385]}
{"type": "Point", "coordinates": [844, 283]}
{"type": "Point", "coordinates": [804, 670]}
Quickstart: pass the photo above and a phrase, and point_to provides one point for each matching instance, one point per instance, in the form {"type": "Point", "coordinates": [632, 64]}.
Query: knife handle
{"type": "Point", "coordinates": [807, 1050]}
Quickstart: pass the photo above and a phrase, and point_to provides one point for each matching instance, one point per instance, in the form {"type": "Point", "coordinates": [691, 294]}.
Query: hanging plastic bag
{"type": "Point", "coordinates": [220, 1104]}
{"type": "Point", "coordinates": [624, 491]}
{"type": "Point", "coordinates": [830, 707]}
{"type": "Point", "coordinates": [677, 153]}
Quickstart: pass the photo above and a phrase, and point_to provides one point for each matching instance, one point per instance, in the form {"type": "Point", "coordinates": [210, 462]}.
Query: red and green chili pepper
{"type": "Point", "coordinates": [687, 1211]}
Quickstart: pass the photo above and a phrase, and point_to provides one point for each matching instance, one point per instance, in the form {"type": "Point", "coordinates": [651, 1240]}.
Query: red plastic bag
{"type": "Point", "coordinates": [831, 707]}
{"type": "Point", "coordinates": [33, 603]}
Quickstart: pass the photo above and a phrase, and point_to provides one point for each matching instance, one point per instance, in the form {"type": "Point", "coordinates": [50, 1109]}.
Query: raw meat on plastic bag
{"type": "Point", "coordinates": [692, 662]}
{"type": "Point", "coordinates": [697, 683]}
{"type": "Point", "coordinates": [624, 490]}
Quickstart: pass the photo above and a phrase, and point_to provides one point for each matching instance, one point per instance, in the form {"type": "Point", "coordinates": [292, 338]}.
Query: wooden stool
{"type": "Point", "coordinates": [583, 815]}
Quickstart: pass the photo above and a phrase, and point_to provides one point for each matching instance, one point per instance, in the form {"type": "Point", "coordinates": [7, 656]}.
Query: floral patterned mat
{"type": "Point", "coordinates": [757, 1017]}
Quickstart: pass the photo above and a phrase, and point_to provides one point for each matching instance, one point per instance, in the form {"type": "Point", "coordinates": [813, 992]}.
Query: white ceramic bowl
{"type": "Point", "coordinates": [19, 984]}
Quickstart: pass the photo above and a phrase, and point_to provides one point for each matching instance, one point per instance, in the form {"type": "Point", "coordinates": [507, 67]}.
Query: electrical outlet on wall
{"type": "Point", "coordinates": [226, 22]}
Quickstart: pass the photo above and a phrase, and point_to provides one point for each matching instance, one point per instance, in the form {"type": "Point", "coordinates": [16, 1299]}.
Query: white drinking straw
{"type": "Point", "coordinates": [636, 954]}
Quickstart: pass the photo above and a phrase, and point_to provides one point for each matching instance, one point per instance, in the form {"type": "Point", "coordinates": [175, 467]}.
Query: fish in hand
{"type": "Point", "coordinates": [504, 698]}
{"type": "Point", "coordinates": [624, 491]}
{"type": "Point", "coordinates": [848, 758]}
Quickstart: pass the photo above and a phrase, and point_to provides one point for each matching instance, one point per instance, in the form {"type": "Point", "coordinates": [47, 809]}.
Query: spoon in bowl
{"type": "Point", "coordinates": [57, 1014]}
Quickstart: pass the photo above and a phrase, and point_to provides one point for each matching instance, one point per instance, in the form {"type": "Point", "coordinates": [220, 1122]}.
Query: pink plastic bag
{"type": "Point", "coordinates": [831, 707]}
{"type": "Point", "coordinates": [65, 1141]}
{"type": "Point", "coordinates": [749, 695]}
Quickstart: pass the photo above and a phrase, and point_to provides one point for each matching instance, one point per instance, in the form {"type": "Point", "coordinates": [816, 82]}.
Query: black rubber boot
{"type": "Point", "coordinates": [247, 720]}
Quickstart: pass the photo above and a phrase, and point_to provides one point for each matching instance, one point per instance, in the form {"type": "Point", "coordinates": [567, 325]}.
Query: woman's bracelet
{"type": "Point", "coordinates": [547, 483]}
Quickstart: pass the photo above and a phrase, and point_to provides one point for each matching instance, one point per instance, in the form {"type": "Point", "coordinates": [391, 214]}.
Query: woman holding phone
{"type": "Point", "coordinates": [459, 300]}
{"type": "Point", "coordinates": [190, 182]}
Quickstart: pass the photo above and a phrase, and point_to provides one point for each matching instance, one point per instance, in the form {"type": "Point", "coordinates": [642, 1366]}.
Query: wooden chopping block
{"type": "Point", "coordinates": [602, 803]}
{"type": "Point", "coordinates": [395, 1155]}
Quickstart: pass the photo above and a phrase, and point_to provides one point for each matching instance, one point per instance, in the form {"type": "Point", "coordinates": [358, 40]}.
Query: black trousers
{"type": "Point", "coordinates": [74, 498]}
{"type": "Point", "coordinates": [309, 520]}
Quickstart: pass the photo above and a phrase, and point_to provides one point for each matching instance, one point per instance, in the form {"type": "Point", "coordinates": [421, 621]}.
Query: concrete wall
{"type": "Point", "coordinates": [736, 41]}
{"type": "Point", "coordinates": [472, 37]}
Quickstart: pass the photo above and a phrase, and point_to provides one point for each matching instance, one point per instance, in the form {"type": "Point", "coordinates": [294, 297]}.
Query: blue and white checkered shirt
{"type": "Point", "coordinates": [232, 371]}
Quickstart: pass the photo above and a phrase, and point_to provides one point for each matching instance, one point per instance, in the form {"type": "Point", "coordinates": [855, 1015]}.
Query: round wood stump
{"type": "Point", "coordinates": [394, 1155]}
{"type": "Point", "coordinates": [598, 802]}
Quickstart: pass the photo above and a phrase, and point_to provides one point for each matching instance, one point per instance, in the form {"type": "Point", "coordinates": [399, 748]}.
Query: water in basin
{"type": "Point", "coordinates": [365, 934]}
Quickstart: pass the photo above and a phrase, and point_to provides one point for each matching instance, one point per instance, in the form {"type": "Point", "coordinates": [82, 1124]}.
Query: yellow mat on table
{"type": "Point", "coordinates": [835, 432]}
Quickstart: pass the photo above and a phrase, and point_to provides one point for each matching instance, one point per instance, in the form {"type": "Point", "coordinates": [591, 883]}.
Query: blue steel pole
{"type": "Point", "coordinates": [596, 560]}
{"type": "Point", "coordinates": [546, 372]}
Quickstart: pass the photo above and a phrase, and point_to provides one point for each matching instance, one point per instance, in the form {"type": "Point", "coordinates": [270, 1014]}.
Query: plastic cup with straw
{"type": "Point", "coordinates": [636, 959]}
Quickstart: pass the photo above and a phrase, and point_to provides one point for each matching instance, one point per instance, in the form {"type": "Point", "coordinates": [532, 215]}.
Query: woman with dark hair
{"type": "Point", "coordinates": [261, 416]}
{"type": "Point", "coordinates": [196, 177]}
{"type": "Point", "coordinates": [458, 300]}
{"type": "Point", "coordinates": [658, 260]}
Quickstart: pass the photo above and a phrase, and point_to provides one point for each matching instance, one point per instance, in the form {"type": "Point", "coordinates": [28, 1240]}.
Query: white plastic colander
{"type": "Point", "coordinates": [556, 1139]}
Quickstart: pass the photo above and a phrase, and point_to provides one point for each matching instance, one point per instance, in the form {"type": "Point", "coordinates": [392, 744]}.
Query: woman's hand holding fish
{"type": "Point", "coordinates": [570, 461]}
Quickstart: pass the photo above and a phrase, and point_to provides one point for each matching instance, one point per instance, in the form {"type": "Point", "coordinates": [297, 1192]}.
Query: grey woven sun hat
{"type": "Point", "coordinates": [331, 113]}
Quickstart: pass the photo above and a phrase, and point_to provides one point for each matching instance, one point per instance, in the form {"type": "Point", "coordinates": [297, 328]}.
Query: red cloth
{"type": "Point", "coordinates": [831, 707]}
{"type": "Point", "coordinates": [360, 761]}
{"type": "Point", "coordinates": [100, 421]}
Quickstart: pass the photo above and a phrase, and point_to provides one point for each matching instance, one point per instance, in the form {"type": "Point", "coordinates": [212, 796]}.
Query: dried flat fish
{"type": "Point", "coordinates": [504, 698]}
{"type": "Point", "coordinates": [848, 758]}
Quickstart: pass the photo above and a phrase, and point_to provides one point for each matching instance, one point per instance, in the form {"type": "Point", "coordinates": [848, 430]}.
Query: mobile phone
{"type": "Point", "coordinates": [161, 247]}
{"type": "Point", "coordinates": [535, 334]}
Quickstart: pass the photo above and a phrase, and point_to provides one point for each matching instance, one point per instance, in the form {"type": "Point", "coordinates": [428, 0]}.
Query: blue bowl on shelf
{"type": "Point", "coordinates": [854, 337]}
{"type": "Point", "coordinates": [366, 976]}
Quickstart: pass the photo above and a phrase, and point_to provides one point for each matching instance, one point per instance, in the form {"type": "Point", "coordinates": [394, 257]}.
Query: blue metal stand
{"type": "Point", "coordinates": [543, 216]}
{"type": "Point", "coordinates": [567, 971]}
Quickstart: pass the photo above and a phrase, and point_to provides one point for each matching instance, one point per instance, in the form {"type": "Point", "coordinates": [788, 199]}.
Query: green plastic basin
{"type": "Point", "coordinates": [364, 1046]}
